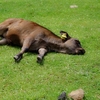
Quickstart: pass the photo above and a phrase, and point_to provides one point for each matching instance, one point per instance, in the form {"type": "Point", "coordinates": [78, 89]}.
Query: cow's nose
{"type": "Point", "coordinates": [80, 51]}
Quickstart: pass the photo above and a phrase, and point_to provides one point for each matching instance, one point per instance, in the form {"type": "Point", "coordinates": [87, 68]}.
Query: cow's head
{"type": "Point", "coordinates": [72, 45]}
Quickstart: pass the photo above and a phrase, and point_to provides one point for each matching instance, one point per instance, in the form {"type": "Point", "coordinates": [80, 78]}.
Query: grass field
{"type": "Point", "coordinates": [28, 80]}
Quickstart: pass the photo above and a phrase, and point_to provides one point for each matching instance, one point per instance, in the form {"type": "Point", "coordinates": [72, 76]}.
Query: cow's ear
{"type": "Point", "coordinates": [64, 35]}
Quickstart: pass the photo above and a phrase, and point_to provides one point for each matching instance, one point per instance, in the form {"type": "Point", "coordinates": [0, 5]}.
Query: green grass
{"type": "Point", "coordinates": [28, 80]}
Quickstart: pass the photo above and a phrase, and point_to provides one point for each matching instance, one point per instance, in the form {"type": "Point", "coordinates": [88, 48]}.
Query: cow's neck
{"type": "Point", "coordinates": [57, 45]}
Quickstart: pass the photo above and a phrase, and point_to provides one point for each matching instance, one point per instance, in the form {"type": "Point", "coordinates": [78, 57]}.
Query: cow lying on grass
{"type": "Point", "coordinates": [34, 37]}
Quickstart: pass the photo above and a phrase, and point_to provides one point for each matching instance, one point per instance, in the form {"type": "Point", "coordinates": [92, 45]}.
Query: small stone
{"type": "Point", "coordinates": [62, 96]}
{"type": "Point", "coordinates": [73, 6]}
{"type": "Point", "coordinates": [77, 94]}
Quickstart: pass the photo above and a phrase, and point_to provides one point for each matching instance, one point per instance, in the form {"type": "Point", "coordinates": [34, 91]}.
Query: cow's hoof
{"type": "Point", "coordinates": [17, 58]}
{"type": "Point", "coordinates": [39, 59]}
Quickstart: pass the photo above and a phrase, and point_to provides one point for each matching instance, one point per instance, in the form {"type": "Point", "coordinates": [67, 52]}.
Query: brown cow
{"type": "Point", "coordinates": [33, 37]}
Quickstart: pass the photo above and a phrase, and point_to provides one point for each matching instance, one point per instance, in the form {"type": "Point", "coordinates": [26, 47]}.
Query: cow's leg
{"type": "Point", "coordinates": [3, 41]}
{"type": "Point", "coordinates": [19, 56]}
{"type": "Point", "coordinates": [3, 30]}
{"type": "Point", "coordinates": [24, 49]}
{"type": "Point", "coordinates": [42, 52]}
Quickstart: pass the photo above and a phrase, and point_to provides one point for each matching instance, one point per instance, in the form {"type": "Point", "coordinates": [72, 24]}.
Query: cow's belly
{"type": "Point", "coordinates": [37, 44]}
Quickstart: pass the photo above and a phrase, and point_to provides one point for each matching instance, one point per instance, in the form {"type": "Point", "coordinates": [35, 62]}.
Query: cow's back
{"type": "Point", "coordinates": [19, 30]}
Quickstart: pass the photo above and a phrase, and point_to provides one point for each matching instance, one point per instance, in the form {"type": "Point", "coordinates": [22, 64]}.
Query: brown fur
{"type": "Point", "coordinates": [32, 37]}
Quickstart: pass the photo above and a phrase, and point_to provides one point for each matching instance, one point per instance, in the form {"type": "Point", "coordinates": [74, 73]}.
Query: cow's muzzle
{"type": "Point", "coordinates": [80, 51]}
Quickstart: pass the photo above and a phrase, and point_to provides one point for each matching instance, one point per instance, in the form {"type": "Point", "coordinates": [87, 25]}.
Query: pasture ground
{"type": "Point", "coordinates": [28, 80]}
